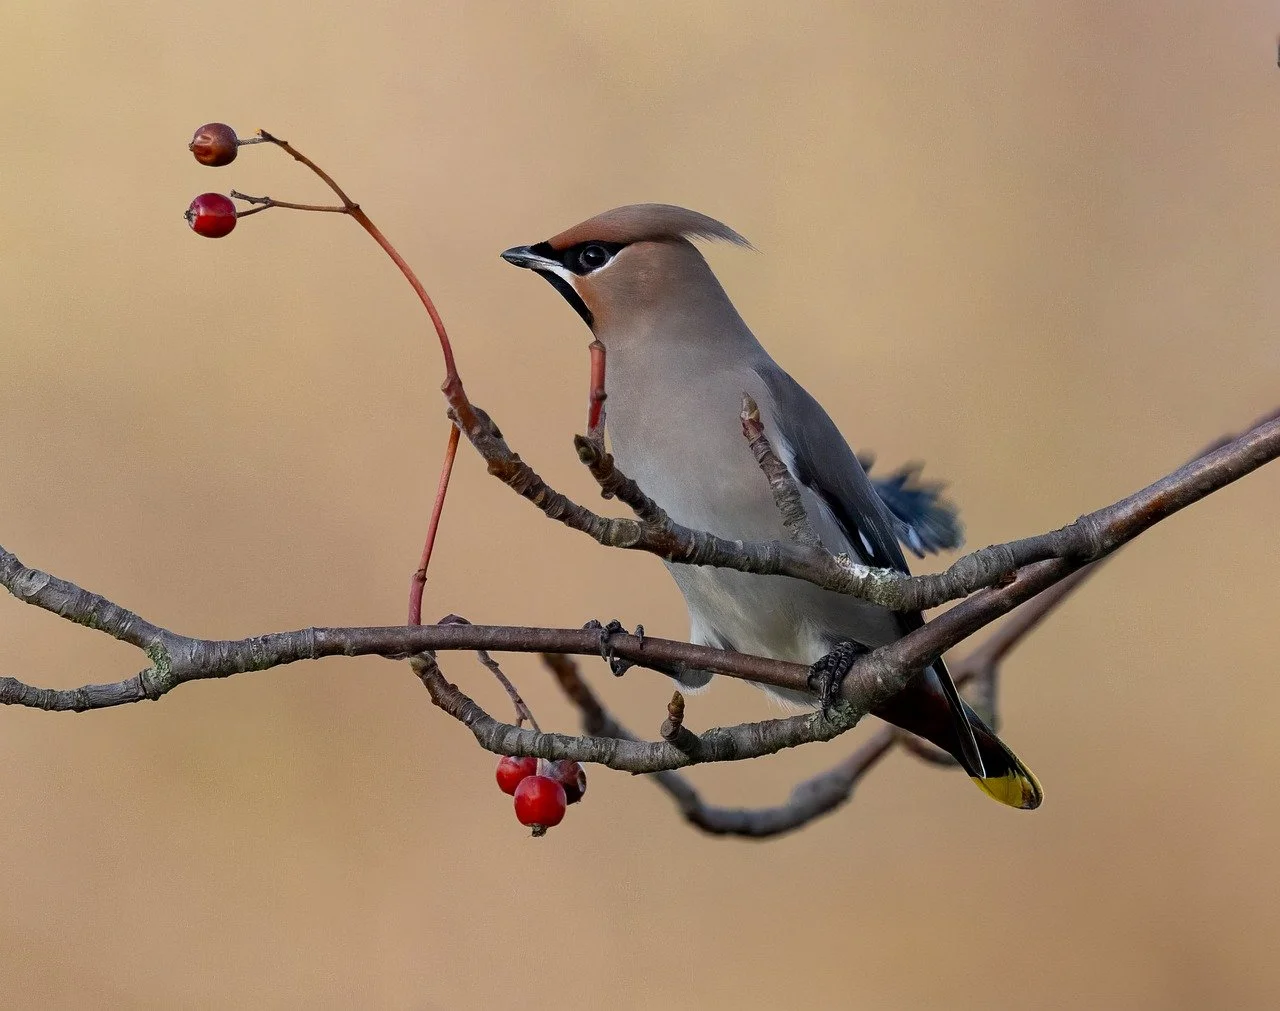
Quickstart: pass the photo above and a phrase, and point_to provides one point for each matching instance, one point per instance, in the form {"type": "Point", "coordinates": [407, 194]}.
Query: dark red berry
{"type": "Point", "coordinates": [512, 770]}
{"type": "Point", "coordinates": [214, 144]}
{"type": "Point", "coordinates": [540, 803]}
{"type": "Point", "coordinates": [572, 776]}
{"type": "Point", "coordinates": [211, 215]}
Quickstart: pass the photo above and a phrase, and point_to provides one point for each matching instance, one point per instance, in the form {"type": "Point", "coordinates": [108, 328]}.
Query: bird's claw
{"type": "Point", "coordinates": [617, 664]}
{"type": "Point", "coordinates": [826, 676]}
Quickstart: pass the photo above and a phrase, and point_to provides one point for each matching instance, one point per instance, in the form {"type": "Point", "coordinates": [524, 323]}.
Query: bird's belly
{"type": "Point", "coordinates": [777, 616]}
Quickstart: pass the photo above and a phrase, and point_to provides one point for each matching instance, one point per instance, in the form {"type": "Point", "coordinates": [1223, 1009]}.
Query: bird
{"type": "Point", "coordinates": [680, 359]}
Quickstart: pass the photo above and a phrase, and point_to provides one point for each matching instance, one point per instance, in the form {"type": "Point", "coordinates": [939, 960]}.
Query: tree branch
{"type": "Point", "coordinates": [810, 798]}
{"type": "Point", "coordinates": [178, 659]}
{"type": "Point", "coordinates": [719, 744]}
{"type": "Point", "coordinates": [67, 600]}
{"type": "Point", "coordinates": [1089, 538]}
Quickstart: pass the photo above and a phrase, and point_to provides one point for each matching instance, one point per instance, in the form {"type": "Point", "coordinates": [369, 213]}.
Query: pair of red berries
{"type": "Point", "coordinates": [542, 789]}
{"type": "Point", "coordinates": [212, 214]}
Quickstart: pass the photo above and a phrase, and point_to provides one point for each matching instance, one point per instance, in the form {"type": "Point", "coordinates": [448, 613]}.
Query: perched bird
{"type": "Point", "coordinates": [680, 359]}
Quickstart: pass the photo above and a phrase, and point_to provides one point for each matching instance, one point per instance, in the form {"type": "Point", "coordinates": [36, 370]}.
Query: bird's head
{"type": "Point", "coordinates": [630, 266]}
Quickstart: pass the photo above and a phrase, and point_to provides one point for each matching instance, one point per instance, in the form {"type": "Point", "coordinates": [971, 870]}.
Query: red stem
{"type": "Point", "coordinates": [451, 378]}
{"type": "Point", "coordinates": [597, 395]}
{"type": "Point", "coordinates": [452, 385]}
{"type": "Point", "coordinates": [419, 582]}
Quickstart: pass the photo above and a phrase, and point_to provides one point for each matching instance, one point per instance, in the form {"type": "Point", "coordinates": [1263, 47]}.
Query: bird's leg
{"type": "Point", "coordinates": [616, 664]}
{"type": "Point", "coordinates": [827, 675]}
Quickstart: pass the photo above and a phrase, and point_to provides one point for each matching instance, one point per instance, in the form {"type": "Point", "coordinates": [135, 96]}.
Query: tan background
{"type": "Point", "coordinates": [1035, 247]}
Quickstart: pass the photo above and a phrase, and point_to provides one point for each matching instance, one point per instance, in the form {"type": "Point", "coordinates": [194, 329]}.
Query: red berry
{"type": "Point", "coordinates": [211, 215]}
{"type": "Point", "coordinates": [572, 776]}
{"type": "Point", "coordinates": [540, 803]}
{"type": "Point", "coordinates": [214, 144]}
{"type": "Point", "coordinates": [512, 770]}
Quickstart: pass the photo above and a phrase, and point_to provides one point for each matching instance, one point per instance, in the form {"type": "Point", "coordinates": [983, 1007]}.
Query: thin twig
{"type": "Point", "coordinates": [614, 484]}
{"type": "Point", "coordinates": [786, 494]}
{"type": "Point", "coordinates": [284, 145]}
{"type": "Point", "coordinates": [523, 712]}
{"type": "Point", "coordinates": [266, 203]}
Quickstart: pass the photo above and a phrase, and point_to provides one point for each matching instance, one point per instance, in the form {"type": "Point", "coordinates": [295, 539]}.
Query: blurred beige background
{"type": "Point", "coordinates": [1034, 245]}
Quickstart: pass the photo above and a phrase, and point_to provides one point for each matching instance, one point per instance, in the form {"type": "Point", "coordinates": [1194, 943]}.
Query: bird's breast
{"type": "Point", "coordinates": [682, 442]}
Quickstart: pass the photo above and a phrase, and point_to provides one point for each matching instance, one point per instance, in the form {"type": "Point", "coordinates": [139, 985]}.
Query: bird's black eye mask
{"type": "Point", "coordinates": [582, 260]}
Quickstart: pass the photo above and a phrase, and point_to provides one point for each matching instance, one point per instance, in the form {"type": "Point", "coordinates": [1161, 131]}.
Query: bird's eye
{"type": "Point", "coordinates": [593, 256]}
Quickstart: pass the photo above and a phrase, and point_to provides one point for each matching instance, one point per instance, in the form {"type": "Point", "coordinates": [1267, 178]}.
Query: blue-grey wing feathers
{"type": "Point", "coordinates": [824, 463]}
{"type": "Point", "coordinates": [925, 521]}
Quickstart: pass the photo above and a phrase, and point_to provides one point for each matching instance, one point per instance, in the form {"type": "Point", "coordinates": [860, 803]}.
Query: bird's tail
{"type": "Point", "coordinates": [1007, 779]}
{"type": "Point", "coordinates": [924, 709]}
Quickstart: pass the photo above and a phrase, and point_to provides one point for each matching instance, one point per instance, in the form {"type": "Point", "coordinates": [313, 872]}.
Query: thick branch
{"type": "Point", "coordinates": [178, 659]}
{"type": "Point", "coordinates": [181, 659]}
{"type": "Point", "coordinates": [1089, 538]}
{"type": "Point", "coordinates": [67, 600]}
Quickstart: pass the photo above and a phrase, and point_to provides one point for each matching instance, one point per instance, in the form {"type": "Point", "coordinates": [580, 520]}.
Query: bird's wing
{"type": "Point", "coordinates": [924, 521]}
{"type": "Point", "coordinates": [821, 460]}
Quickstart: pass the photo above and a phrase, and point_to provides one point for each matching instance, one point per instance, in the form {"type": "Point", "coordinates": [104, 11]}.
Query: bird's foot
{"type": "Point", "coordinates": [826, 676]}
{"type": "Point", "coordinates": [617, 664]}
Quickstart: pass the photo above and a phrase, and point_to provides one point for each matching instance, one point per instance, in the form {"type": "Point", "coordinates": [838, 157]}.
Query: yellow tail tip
{"type": "Point", "coordinates": [1017, 788]}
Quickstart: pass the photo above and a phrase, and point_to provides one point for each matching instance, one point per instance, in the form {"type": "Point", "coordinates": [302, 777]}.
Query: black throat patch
{"type": "Point", "coordinates": [570, 296]}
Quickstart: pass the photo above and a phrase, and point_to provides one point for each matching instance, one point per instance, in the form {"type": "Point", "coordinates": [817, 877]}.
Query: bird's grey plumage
{"type": "Point", "coordinates": [673, 420]}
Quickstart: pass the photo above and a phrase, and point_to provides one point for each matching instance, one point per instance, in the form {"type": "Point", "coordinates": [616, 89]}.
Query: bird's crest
{"type": "Point", "coordinates": [646, 222]}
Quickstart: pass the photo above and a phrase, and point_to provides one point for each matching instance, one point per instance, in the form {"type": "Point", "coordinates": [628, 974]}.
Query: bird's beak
{"type": "Point", "coordinates": [534, 258]}
{"type": "Point", "coordinates": [524, 256]}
